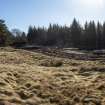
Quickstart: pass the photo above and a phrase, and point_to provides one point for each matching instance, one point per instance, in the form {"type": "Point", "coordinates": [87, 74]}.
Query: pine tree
{"type": "Point", "coordinates": [75, 33]}
{"type": "Point", "coordinates": [30, 35]}
{"type": "Point", "coordinates": [103, 36]}
{"type": "Point", "coordinates": [99, 36]}
{"type": "Point", "coordinates": [4, 33]}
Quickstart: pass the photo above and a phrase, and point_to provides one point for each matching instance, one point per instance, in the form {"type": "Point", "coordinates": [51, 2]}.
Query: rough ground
{"type": "Point", "coordinates": [29, 78]}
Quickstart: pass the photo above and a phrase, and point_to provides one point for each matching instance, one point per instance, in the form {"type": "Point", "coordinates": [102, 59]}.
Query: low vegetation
{"type": "Point", "coordinates": [30, 78]}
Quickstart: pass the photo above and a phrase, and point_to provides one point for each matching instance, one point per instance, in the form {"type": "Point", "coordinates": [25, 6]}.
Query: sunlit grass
{"type": "Point", "coordinates": [36, 79]}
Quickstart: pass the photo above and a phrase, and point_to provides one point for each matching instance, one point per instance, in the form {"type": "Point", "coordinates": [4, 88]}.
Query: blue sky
{"type": "Point", "coordinates": [22, 13]}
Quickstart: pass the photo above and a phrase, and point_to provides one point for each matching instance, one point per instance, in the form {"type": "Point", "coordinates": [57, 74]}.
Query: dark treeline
{"type": "Point", "coordinates": [90, 36]}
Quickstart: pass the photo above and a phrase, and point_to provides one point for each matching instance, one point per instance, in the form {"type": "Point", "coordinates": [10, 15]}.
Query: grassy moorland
{"type": "Point", "coordinates": [30, 78]}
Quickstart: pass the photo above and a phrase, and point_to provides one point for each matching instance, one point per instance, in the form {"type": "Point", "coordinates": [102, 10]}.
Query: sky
{"type": "Point", "coordinates": [20, 14]}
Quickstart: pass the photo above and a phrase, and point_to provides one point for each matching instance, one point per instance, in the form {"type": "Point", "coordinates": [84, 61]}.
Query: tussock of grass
{"type": "Point", "coordinates": [51, 63]}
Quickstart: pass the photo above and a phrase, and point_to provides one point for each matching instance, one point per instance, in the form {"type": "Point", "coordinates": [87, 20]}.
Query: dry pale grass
{"type": "Point", "coordinates": [28, 78]}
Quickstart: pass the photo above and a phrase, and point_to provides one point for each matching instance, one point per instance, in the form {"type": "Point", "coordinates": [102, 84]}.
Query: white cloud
{"type": "Point", "coordinates": [92, 3]}
{"type": "Point", "coordinates": [85, 9]}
